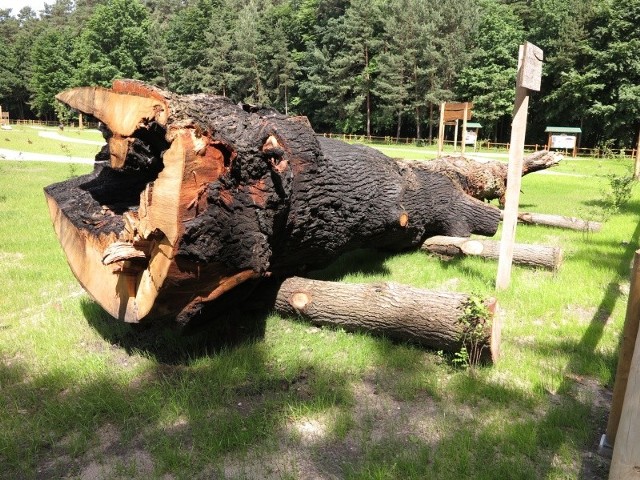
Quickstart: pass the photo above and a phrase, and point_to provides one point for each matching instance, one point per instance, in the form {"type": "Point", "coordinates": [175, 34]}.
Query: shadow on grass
{"type": "Point", "coordinates": [181, 419]}
{"type": "Point", "coordinates": [167, 343]}
{"type": "Point", "coordinates": [629, 208]}
{"type": "Point", "coordinates": [357, 262]}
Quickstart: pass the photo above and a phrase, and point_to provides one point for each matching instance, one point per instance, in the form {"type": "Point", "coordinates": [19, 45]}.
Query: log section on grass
{"type": "Point", "coordinates": [441, 320]}
{"type": "Point", "coordinates": [538, 256]}
{"type": "Point", "coordinates": [487, 179]}
{"type": "Point", "coordinates": [559, 221]}
{"type": "Point", "coordinates": [194, 195]}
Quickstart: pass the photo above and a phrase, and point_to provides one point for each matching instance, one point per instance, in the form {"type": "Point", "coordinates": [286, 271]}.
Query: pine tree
{"type": "Point", "coordinates": [113, 44]}
{"type": "Point", "coordinates": [489, 79]}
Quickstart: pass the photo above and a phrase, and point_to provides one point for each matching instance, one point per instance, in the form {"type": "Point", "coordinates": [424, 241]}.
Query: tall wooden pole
{"type": "Point", "coordinates": [455, 137]}
{"type": "Point", "coordinates": [636, 170]}
{"type": "Point", "coordinates": [464, 126]}
{"type": "Point", "coordinates": [629, 335]}
{"type": "Point", "coordinates": [529, 75]}
{"type": "Point", "coordinates": [441, 130]}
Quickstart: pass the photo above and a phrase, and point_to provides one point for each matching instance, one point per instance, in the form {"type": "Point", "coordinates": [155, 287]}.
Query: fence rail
{"type": "Point", "coordinates": [389, 140]}
{"type": "Point", "coordinates": [483, 145]}
{"type": "Point", "coordinates": [45, 123]}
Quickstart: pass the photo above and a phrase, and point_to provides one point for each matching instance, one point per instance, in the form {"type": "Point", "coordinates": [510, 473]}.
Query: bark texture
{"type": "Point", "coordinates": [194, 195]}
{"type": "Point", "coordinates": [487, 180]}
{"type": "Point", "coordinates": [537, 256]}
{"type": "Point", "coordinates": [438, 320]}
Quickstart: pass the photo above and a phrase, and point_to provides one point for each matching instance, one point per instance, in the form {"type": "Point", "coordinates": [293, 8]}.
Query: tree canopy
{"type": "Point", "coordinates": [367, 67]}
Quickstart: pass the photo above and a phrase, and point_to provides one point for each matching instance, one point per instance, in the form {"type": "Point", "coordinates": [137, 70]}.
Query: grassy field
{"type": "Point", "coordinates": [24, 138]}
{"type": "Point", "coordinates": [83, 396]}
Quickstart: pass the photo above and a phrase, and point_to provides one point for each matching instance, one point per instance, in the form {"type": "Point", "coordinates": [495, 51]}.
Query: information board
{"type": "Point", "coordinates": [563, 141]}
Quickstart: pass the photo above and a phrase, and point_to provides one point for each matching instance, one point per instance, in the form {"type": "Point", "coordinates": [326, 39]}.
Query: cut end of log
{"type": "Point", "coordinates": [121, 225]}
{"type": "Point", "coordinates": [299, 301]}
{"type": "Point", "coordinates": [404, 219]}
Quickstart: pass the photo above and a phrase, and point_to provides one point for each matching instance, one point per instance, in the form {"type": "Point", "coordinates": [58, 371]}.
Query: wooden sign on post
{"type": "Point", "coordinates": [450, 113]}
{"type": "Point", "coordinates": [529, 78]}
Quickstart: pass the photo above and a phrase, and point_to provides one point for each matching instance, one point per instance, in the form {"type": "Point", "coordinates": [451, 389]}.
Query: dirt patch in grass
{"type": "Point", "coordinates": [589, 392]}
{"type": "Point", "coordinates": [10, 259]}
{"type": "Point", "coordinates": [108, 458]}
{"type": "Point", "coordinates": [328, 444]}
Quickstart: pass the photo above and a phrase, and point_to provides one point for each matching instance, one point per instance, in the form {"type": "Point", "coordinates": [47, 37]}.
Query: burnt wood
{"type": "Point", "coordinates": [210, 194]}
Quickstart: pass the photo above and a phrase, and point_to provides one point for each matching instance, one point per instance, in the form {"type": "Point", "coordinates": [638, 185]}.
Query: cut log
{"type": "Point", "coordinates": [440, 320]}
{"type": "Point", "coordinates": [210, 195]}
{"type": "Point", "coordinates": [538, 256]}
{"type": "Point", "coordinates": [559, 221]}
{"type": "Point", "coordinates": [487, 179]}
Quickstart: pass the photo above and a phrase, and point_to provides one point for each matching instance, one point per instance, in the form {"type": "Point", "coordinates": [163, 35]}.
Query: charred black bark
{"type": "Point", "coordinates": [278, 201]}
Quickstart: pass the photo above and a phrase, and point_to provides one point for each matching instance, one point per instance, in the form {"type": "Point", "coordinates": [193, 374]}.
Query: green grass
{"type": "Point", "coordinates": [26, 138]}
{"type": "Point", "coordinates": [81, 394]}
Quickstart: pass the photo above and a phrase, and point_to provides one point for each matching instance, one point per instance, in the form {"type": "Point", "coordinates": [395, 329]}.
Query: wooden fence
{"type": "Point", "coordinates": [44, 123]}
{"type": "Point", "coordinates": [389, 140]}
{"type": "Point", "coordinates": [481, 145]}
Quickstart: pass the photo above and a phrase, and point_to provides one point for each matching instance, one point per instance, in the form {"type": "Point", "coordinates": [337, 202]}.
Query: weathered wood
{"type": "Point", "coordinates": [434, 319]}
{"type": "Point", "coordinates": [537, 256]}
{"type": "Point", "coordinates": [487, 180]}
{"type": "Point", "coordinates": [559, 221]}
{"type": "Point", "coordinates": [627, 347]}
{"type": "Point", "coordinates": [222, 194]}
{"type": "Point", "coordinates": [625, 434]}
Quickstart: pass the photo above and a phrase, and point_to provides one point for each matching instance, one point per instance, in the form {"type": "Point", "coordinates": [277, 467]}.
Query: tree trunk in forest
{"type": "Point", "coordinates": [194, 195]}
{"type": "Point", "coordinates": [440, 320]}
{"type": "Point", "coordinates": [430, 123]}
{"type": "Point", "coordinates": [538, 256]}
{"type": "Point", "coordinates": [487, 180]}
{"type": "Point", "coordinates": [559, 221]}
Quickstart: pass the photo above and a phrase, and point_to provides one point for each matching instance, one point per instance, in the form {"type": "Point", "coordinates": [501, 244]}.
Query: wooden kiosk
{"type": "Point", "coordinates": [563, 138]}
{"type": "Point", "coordinates": [471, 134]}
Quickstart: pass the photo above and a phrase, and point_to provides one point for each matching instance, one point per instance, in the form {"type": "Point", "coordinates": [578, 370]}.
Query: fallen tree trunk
{"type": "Point", "coordinates": [440, 320]}
{"type": "Point", "coordinates": [538, 256]}
{"type": "Point", "coordinates": [559, 221]}
{"type": "Point", "coordinates": [487, 180]}
{"type": "Point", "coordinates": [194, 196]}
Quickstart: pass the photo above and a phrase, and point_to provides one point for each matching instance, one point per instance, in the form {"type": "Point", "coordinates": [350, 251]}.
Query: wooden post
{"type": "Point", "coordinates": [529, 78]}
{"type": "Point", "coordinates": [636, 168]}
{"type": "Point", "coordinates": [80, 125]}
{"type": "Point", "coordinates": [625, 463]}
{"type": "Point", "coordinates": [455, 137]}
{"type": "Point", "coordinates": [629, 335]}
{"type": "Point", "coordinates": [464, 127]}
{"type": "Point", "coordinates": [441, 130]}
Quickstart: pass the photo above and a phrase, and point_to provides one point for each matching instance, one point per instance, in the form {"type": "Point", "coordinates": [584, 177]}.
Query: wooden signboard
{"type": "Point", "coordinates": [530, 75]}
{"type": "Point", "coordinates": [457, 111]}
{"type": "Point", "coordinates": [450, 114]}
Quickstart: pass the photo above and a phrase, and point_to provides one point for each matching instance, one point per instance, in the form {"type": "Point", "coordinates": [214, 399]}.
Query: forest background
{"type": "Point", "coordinates": [368, 67]}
